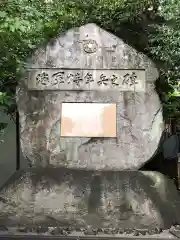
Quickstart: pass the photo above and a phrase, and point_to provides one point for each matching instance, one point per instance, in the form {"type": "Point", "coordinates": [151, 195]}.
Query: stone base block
{"type": "Point", "coordinates": [79, 198]}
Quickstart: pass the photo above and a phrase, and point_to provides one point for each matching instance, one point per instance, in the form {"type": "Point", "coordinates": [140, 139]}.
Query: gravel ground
{"type": "Point", "coordinates": [68, 233]}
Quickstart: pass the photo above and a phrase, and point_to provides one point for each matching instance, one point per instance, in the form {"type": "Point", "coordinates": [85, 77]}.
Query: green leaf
{"type": "Point", "coordinates": [3, 14]}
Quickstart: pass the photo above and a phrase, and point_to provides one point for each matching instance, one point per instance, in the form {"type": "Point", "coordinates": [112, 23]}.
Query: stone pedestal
{"type": "Point", "coordinates": [89, 199]}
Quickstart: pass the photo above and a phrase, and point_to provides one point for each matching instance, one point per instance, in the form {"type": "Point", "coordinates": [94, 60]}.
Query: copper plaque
{"type": "Point", "coordinates": [88, 120]}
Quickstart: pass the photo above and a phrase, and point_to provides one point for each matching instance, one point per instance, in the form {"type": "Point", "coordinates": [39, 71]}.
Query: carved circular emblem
{"type": "Point", "coordinates": [90, 46]}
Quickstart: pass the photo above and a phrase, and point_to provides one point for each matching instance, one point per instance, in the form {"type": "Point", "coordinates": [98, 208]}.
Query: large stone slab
{"type": "Point", "coordinates": [57, 74]}
{"type": "Point", "coordinates": [63, 197]}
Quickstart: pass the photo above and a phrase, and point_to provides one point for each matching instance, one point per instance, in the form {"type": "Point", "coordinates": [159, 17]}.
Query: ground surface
{"type": "Point", "coordinates": [52, 233]}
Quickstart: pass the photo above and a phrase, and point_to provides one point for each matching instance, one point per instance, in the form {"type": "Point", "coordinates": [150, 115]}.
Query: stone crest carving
{"type": "Point", "coordinates": [90, 46]}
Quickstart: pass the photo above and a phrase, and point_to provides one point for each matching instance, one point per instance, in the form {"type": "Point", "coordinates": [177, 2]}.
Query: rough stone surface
{"type": "Point", "coordinates": [139, 114]}
{"type": "Point", "coordinates": [88, 199]}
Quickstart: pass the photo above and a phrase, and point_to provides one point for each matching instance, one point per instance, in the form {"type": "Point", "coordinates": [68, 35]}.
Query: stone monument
{"type": "Point", "coordinates": [89, 112]}
{"type": "Point", "coordinates": [89, 65]}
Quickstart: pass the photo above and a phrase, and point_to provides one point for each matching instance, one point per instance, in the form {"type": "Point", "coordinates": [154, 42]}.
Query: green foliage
{"type": "Point", "coordinates": [164, 45]}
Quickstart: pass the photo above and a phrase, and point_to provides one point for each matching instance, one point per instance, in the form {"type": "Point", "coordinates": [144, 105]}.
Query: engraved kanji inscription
{"type": "Point", "coordinates": [130, 79]}
{"type": "Point", "coordinates": [88, 78]}
{"type": "Point", "coordinates": [103, 80]}
{"type": "Point", "coordinates": [114, 59]}
{"type": "Point", "coordinates": [58, 77]}
{"type": "Point", "coordinates": [114, 79]}
{"type": "Point", "coordinates": [42, 78]}
{"type": "Point", "coordinates": [77, 79]}
{"type": "Point", "coordinates": [70, 78]}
